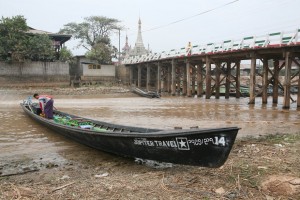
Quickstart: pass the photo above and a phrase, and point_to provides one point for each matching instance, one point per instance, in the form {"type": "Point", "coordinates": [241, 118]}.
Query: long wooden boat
{"type": "Point", "coordinates": [149, 94]}
{"type": "Point", "coordinates": [200, 147]}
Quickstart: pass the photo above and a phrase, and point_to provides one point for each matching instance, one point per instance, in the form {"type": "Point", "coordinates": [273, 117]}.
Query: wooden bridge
{"type": "Point", "coordinates": [204, 69]}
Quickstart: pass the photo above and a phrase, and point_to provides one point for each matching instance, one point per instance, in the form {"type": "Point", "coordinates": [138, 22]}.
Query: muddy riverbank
{"type": "Point", "coordinates": [36, 163]}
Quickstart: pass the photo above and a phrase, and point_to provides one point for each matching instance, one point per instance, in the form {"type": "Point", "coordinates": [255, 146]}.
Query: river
{"type": "Point", "coordinates": [24, 143]}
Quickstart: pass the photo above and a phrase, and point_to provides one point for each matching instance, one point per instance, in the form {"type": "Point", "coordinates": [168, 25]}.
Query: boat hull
{"type": "Point", "coordinates": [201, 147]}
{"type": "Point", "coordinates": [149, 94]}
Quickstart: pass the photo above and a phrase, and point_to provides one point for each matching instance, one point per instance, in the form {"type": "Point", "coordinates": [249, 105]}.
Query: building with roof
{"type": "Point", "coordinates": [57, 39]}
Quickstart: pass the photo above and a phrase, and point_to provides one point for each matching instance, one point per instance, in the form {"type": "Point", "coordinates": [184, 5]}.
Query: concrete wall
{"type": "Point", "coordinates": [34, 69]}
{"type": "Point", "coordinates": [39, 71]}
{"type": "Point", "coordinates": [122, 74]}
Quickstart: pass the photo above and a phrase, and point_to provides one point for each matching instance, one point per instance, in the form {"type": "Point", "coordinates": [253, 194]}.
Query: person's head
{"type": "Point", "coordinates": [36, 95]}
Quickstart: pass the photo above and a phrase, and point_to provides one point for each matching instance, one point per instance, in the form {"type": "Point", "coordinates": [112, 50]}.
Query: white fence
{"type": "Point", "coordinates": [272, 40]}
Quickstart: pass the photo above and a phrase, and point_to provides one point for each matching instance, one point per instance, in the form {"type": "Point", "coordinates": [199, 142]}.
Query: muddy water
{"type": "Point", "coordinates": [24, 144]}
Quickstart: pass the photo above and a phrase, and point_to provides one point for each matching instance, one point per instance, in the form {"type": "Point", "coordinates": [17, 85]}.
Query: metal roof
{"type": "Point", "coordinates": [62, 38]}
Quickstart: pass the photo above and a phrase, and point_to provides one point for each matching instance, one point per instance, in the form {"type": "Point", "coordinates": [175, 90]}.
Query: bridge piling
{"type": "Point", "coordinates": [169, 78]}
{"type": "Point", "coordinates": [193, 74]}
{"type": "Point", "coordinates": [158, 87]}
{"type": "Point", "coordinates": [287, 81]}
{"type": "Point", "coordinates": [265, 82]}
{"type": "Point", "coordinates": [276, 81]}
{"type": "Point", "coordinates": [227, 82]}
{"type": "Point", "coordinates": [252, 80]}
{"type": "Point", "coordinates": [217, 82]}
{"type": "Point", "coordinates": [200, 79]}
{"type": "Point", "coordinates": [298, 95]}
{"type": "Point", "coordinates": [183, 77]}
{"type": "Point", "coordinates": [139, 81]}
{"type": "Point", "coordinates": [148, 77]}
{"type": "Point", "coordinates": [188, 79]}
{"type": "Point", "coordinates": [238, 79]}
{"type": "Point", "coordinates": [208, 78]}
{"type": "Point", "coordinates": [173, 84]}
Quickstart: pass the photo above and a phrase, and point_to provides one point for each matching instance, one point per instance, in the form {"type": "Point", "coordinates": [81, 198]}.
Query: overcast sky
{"type": "Point", "coordinates": [166, 24]}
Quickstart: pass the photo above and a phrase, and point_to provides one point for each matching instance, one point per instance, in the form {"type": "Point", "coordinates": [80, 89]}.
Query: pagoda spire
{"type": "Point", "coordinates": [139, 40]}
{"type": "Point", "coordinates": [126, 49]}
{"type": "Point", "coordinates": [139, 47]}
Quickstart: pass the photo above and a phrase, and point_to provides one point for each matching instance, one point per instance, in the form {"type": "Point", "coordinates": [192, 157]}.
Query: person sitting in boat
{"type": "Point", "coordinates": [46, 105]}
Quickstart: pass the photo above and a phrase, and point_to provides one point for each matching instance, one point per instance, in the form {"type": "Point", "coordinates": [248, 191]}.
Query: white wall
{"type": "Point", "coordinates": [104, 71]}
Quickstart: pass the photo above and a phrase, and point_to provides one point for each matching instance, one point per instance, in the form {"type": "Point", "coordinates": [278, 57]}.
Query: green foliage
{"type": "Point", "coordinates": [16, 44]}
{"type": "Point", "coordinates": [102, 53]}
{"type": "Point", "coordinates": [13, 38]}
{"type": "Point", "coordinates": [65, 54]}
{"type": "Point", "coordinates": [40, 48]}
{"type": "Point", "coordinates": [93, 35]}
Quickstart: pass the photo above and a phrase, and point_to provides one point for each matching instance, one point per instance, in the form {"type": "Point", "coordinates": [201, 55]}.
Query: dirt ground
{"type": "Point", "coordinates": [257, 168]}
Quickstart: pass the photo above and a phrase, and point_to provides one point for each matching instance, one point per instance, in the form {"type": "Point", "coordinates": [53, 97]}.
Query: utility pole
{"type": "Point", "coordinates": [119, 60]}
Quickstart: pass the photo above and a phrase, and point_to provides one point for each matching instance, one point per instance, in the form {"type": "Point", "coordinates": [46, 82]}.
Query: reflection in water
{"type": "Point", "coordinates": [23, 139]}
{"type": "Point", "coordinates": [169, 112]}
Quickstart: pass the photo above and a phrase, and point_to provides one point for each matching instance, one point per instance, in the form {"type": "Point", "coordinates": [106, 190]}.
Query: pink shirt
{"type": "Point", "coordinates": [43, 100]}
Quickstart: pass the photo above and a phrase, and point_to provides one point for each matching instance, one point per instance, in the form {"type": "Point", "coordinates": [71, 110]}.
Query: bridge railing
{"type": "Point", "coordinates": [271, 40]}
